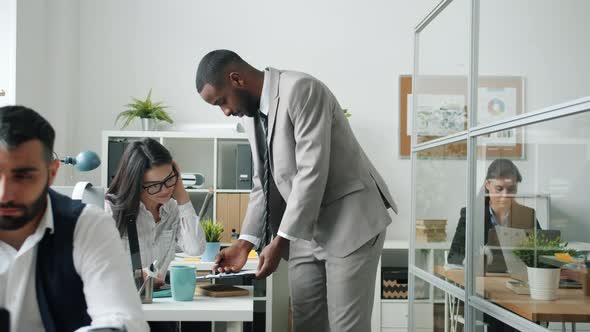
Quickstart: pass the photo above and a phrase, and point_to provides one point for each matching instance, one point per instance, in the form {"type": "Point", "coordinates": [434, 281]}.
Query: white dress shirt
{"type": "Point", "coordinates": [98, 259]}
{"type": "Point", "coordinates": [179, 229]}
{"type": "Point", "coordinates": [264, 108]}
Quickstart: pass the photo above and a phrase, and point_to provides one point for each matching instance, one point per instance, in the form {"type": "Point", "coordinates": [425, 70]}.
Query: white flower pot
{"type": "Point", "coordinates": [543, 283]}
{"type": "Point", "coordinates": [149, 124]}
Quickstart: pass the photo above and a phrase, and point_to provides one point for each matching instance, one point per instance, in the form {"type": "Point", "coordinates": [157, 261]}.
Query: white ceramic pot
{"type": "Point", "coordinates": [543, 283]}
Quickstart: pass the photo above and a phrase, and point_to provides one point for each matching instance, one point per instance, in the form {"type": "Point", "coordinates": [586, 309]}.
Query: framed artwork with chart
{"type": "Point", "coordinates": [442, 110]}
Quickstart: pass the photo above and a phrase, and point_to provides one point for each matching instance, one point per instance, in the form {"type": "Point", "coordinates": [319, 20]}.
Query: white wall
{"type": "Point", "coordinates": [8, 51]}
{"type": "Point", "coordinates": [47, 67]}
{"type": "Point", "coordinates": [358, 49]}
{"type": "Point", "coordinates": [31, 54]}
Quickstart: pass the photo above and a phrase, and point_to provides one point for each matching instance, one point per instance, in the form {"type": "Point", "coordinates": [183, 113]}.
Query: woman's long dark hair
{"type": "Point", "coordinates": [125, 191]}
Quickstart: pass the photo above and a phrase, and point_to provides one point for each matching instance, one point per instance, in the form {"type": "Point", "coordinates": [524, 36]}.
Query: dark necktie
{"type": "Point", "coordinates": [262, 129]}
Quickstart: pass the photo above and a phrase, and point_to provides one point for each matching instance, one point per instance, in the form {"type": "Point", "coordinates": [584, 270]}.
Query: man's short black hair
{"type": "Point", "coordinates": [20, 124]}
{"type": "Point", "coordinates": [213, 66]}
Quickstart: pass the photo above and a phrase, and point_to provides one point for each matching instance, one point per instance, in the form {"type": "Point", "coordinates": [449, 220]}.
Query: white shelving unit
{"type": "Point", "coordinates": [199, 152]}
{"type": "Point", "coordinates": [391, 315]}
{"type": "Point", "coordinates": [185, 148]}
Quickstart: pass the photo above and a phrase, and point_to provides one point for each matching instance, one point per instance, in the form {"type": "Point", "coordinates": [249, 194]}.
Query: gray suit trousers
{"type": "Point", "coordinates": [330, 293]}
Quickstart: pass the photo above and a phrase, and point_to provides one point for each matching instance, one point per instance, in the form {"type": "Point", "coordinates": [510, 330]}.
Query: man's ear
{"type": "Point", "coordinates": [53, 168]}
{"type": "Point", "coordinates": [236, 79]}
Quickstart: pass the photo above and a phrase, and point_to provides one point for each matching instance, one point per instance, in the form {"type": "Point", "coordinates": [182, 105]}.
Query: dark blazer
{"type": "Point", "coordinates": [522, 217]}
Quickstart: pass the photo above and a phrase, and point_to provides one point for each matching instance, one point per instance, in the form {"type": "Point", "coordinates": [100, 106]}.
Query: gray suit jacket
{"type": "Point", "coordinates": [334, 195]}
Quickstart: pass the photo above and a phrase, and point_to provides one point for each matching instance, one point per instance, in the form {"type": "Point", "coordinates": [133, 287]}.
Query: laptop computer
{"type": "Point", "coordinates": [509, 239]}
{"type": "Point", "coordinates": [495, 263]}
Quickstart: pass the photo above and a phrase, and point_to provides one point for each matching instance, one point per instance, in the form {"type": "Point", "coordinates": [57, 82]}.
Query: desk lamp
{"type": "Point", "coordinates": [85, 161]}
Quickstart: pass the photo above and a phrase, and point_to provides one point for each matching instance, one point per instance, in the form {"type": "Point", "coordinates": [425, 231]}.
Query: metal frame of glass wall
{"type": "Point", "coordinates": [467, 295]}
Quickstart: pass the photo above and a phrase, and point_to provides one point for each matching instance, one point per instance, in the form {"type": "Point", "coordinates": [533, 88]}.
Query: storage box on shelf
{"type": "Point", "coordinates": [394, 283]}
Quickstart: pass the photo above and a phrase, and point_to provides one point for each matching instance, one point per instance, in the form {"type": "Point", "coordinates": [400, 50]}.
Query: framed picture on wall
{"type": "Point", "coordinates": [442, 110]}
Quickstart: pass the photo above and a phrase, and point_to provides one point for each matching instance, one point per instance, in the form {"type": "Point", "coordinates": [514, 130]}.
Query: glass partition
{"type": "Point", "coordinates": [531, 225]}
{"type": "Point", "coordinates": [500, 208]}
{"type": "Point", "coordinates": [437, 313]}
{"type": "Point", "coordinates": [441, 82]}
{"type": "Point", "coordinates": [440, 207]}
{"type": "Point", "coordinates": [532, 54]}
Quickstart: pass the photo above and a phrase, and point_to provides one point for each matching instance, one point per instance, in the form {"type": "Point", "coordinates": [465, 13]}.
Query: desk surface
{"type": "Point", "coordinates": [572, 305]}
{"type": "Point", "coordinates": [202, 308]}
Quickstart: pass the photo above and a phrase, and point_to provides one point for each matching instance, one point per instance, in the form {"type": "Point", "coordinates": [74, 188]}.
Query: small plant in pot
{"type": "Point", "coordinates": [213, 231]}
{"type": "Point", "coordinates": [149, 112]}
{"type": "Point", "coordinates": [543, 278]}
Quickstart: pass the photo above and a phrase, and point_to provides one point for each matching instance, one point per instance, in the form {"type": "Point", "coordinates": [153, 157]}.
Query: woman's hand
{"type": "Point", "coordinates": [158, 282]}
{"type": "Point", "coordinates": [179, 194]}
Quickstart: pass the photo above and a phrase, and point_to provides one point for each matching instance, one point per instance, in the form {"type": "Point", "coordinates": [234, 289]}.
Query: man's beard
{"type": "Point", "coordinates": [250, 104]}
{"type": "Point", "coordinates": [11, 223]}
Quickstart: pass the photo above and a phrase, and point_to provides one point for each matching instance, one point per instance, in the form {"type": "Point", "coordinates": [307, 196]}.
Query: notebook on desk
{"type": "Point", "coordinates": [220, 290]}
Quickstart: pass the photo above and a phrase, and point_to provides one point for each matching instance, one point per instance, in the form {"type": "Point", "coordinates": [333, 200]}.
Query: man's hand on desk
{"type": "Point", "coordinates": [271, 257]}
{"type": "Point", "coordinates": [232, 259]}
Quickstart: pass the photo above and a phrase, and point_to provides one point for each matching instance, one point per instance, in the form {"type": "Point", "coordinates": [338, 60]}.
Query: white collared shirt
{"type": "Point", "coordinates": [98, 259]}
{"type": "Point", "coordinates": [264, 109]}
{"type": "Point", "coordinates": [179, 229]}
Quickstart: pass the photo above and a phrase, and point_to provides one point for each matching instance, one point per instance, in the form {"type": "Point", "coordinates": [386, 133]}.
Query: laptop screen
{"type": "Point", "coordinates": [509, 239]}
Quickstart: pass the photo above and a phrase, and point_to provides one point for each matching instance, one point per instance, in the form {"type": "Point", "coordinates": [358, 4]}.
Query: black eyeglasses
{"type": "Point", "coordinates": [169, 182]}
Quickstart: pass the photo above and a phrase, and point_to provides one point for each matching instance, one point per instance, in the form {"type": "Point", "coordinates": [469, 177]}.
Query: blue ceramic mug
{"type": "Point", "coordinates": [182, 282]}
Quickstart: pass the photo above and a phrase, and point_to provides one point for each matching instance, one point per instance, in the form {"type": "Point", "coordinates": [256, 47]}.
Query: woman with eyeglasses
{"type": "Point", "coordinates": [147, 189]}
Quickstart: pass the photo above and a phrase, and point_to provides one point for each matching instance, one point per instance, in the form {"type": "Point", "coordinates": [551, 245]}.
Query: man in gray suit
{"type": "Point", "coordinates": [314, 187]}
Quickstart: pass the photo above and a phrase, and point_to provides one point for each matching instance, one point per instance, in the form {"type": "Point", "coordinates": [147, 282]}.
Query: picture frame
{"type": "Point", "coordinates": [440, 104]}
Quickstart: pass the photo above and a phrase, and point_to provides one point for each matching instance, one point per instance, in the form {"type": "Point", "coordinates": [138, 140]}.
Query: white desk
{"type": "Point", "coordinates": [233, 310]}
{"type": "Point", "coordinates": [580, 246]}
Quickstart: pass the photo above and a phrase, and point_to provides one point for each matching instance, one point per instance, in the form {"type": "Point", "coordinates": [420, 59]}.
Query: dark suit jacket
{"type": "Point", "coordinates": [521, 216]}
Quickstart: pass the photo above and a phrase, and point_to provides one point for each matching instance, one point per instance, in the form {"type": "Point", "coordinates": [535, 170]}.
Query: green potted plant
{"type": "Point", "coordinates": [346, 114]}
{"type": "Point", "coordinates": [149, 112]}
{"type": "Point", "coordinates": [213, 231]}
{"type": "Point", "coordinates": [537, 252]}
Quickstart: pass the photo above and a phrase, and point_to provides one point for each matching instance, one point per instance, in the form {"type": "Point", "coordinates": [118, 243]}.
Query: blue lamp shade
{"type": "Point", "coordinates": [85, 161]}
